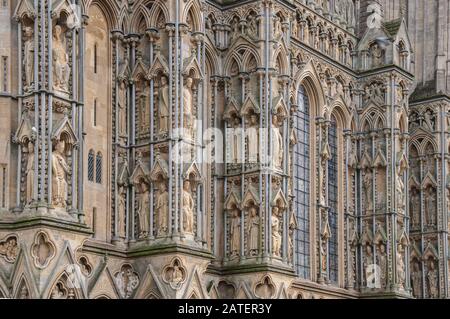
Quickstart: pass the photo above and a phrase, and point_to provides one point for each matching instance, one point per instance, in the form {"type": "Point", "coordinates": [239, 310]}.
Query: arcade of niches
{"type": "Point", "coordinates": [221, 149]}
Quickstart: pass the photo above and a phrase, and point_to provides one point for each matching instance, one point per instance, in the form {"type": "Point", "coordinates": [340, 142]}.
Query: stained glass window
{"type": "Point", "coordinates": [91, 166]}
{"type": "Point", "coordinates": [333, 201]}
{"type": "Point", "coordinates": [98, 168]}
{"type": "Point", "coordinates": [301, 184]}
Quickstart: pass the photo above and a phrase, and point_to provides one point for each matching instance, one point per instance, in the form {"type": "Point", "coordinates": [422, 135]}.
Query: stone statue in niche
{"type": "Point", "coordinates": [367, 260]}
{"type": "Point", "coordinates": [29, 173]}
{"type": "Point", "coordinates": [276, 232]}
{"type": "Point", "coordinates": [236, 142]}
{"type": "Point", "coordinates": [277, 144]}
{"type": "Point", "coordinates": [252, 27]}
{"type": "Point", "coordinates": [235, 233]}
{"type": "Point", "coordinates": [28, 57]}
{"type": "Point", "coordinates": [209, 27]}
{"type": "Point", "coordinates": [144, 109]}
{"type": "Point", "coordinates": [368, 182]}
{"type": "Point", "coordinates": [429, 119]}
{"type": "Point", "coordinates": [338, 7]}
{"type": "Point", "coordinates": [253, 231]}
{"type": "Point", "coordinates": [163, 106]}
{"type": "Point", "coordinates": [400, 266]}
{"type": "Point", "coordinates": [177, 275]}
{"type": "Point", "coordinates": [162, 209]}
{"type": "Point", "coordinates": [382, 263]}
{"type": "Point", "coordinates": [277, 29]}
{"type": "Point", "coordinates": [377, 55]}
{"type": "Point", "coordinates": [414, 206]}
{"type": "Point", "coordinates": [350, 13]}
{"type": "Point", "coordinates": [144, 209]}
{"type": "Point", "coordinates": [430, 204]}
{"type": "Point", "coordinates": [188, 107]}
{"type": "Point", "coordinates": [121, 212]}
{"type": "Point", "coordinates": [188, 208]}
{"type": "Point", "coordinates": [253, 139]}
{"type": "Point", "coordinates": [61, 68]}
{"type": "Point", "coordinates": [234, 29]}
{"type": "Point", "coordinates": [60, 170]}
{"type": "Point", "coordinates": [400, 190]}
{"type": "Point", "coordinates": [432, 278]}
{"type": "Point", "coordinates": [416, 279]}
{"type": "Point", "coordinates": [122, 103]}
{"type": "Point", "coordinates": [294, 30]}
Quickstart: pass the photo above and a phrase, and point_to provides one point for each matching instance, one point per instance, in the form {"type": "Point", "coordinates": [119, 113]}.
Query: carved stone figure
{"type": "Point", "coordinates": [416, 279]}
{"type": "Point", "coordinates": [162, 209]}
{"type": "Point", "coordinates": [277, 144]}
{"type": "Point", "coordinates": [430, 204]}
{"type": "Point", "coordinates": [337, 7]}
{"type": "Point", "coordinates": [126, 281]}
{"type": "Point", "coordinates": [276, 232]}
{"type": "Point", "coordinates": [294, 30]}
{"type": "Point", "coordinates": [29, 173]}
{"type": "Point", "coordinates": [28, 57]}
{"type": "Point", "coordinates": [368, 182]}
{"type": "Point", "coordinates": [277, 29]}
{"type": "Point", "coordinates": [253, 231]}
{"type": "Point", "coordinates": [400, 190]}
{"type": "Point", "coordinates": [253, 139]}
{"type": "Point", "coordinates": [432, 278]}
{"type": "Point", "coordinates": [122, 103]}
{"type": "Point", "coordinates": [377, 54]}
{"type": "Point", "coordinates": [188, 107]}
{"type": "Point", "coordinates": [235, 233]}
{"type": "Point", "coordinates": [400, 267]}
{"type": "Point", "coordinates": [121, 212]}
{"type": "Point", "coordinates": [61, 68]}
{"type": "Point", "coordinates": [382, 263]}
{"type": "Point", "coordinates": [59, 171]}
{"type": "Point", "coordinates": [234, 29]}
{"type": "Point", "coordinates": [144, 210]}
{"type": "Point", "coordinates": [414, 206]}
{"type": "Point", "coordinates": [188, 208]}
{"type": "Point", "coordinates": [367, 260]}
{"type": "Point", "coordinates": [236, 147]}
{"type": "Point", "coordinates": [252, 28]}
{"type": "Point", "coordinates": [177, 275]}
{"type": "Point", "coordinates": [350, 13]}
{"type": "Point", "coordinates": [144, 109]}
{"type": "Point", "coordinates": [163, 106]}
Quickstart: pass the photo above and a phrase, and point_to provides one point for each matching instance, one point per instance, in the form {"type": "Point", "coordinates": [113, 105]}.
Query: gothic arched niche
{"type": "Point", "coordinates": [98, 107]}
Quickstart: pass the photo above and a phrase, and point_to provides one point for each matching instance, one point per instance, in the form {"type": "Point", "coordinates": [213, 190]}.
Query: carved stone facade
{"type": "Point", "coordinates": [200, 149]}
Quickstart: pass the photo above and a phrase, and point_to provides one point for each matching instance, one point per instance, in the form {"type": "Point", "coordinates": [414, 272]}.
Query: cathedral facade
{"type": "Point", "coordinates": [224, 149]}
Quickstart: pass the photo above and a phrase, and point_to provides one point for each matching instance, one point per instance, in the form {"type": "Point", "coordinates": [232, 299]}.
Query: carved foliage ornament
{"type": "Point", "coordinates": [9, 248]}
